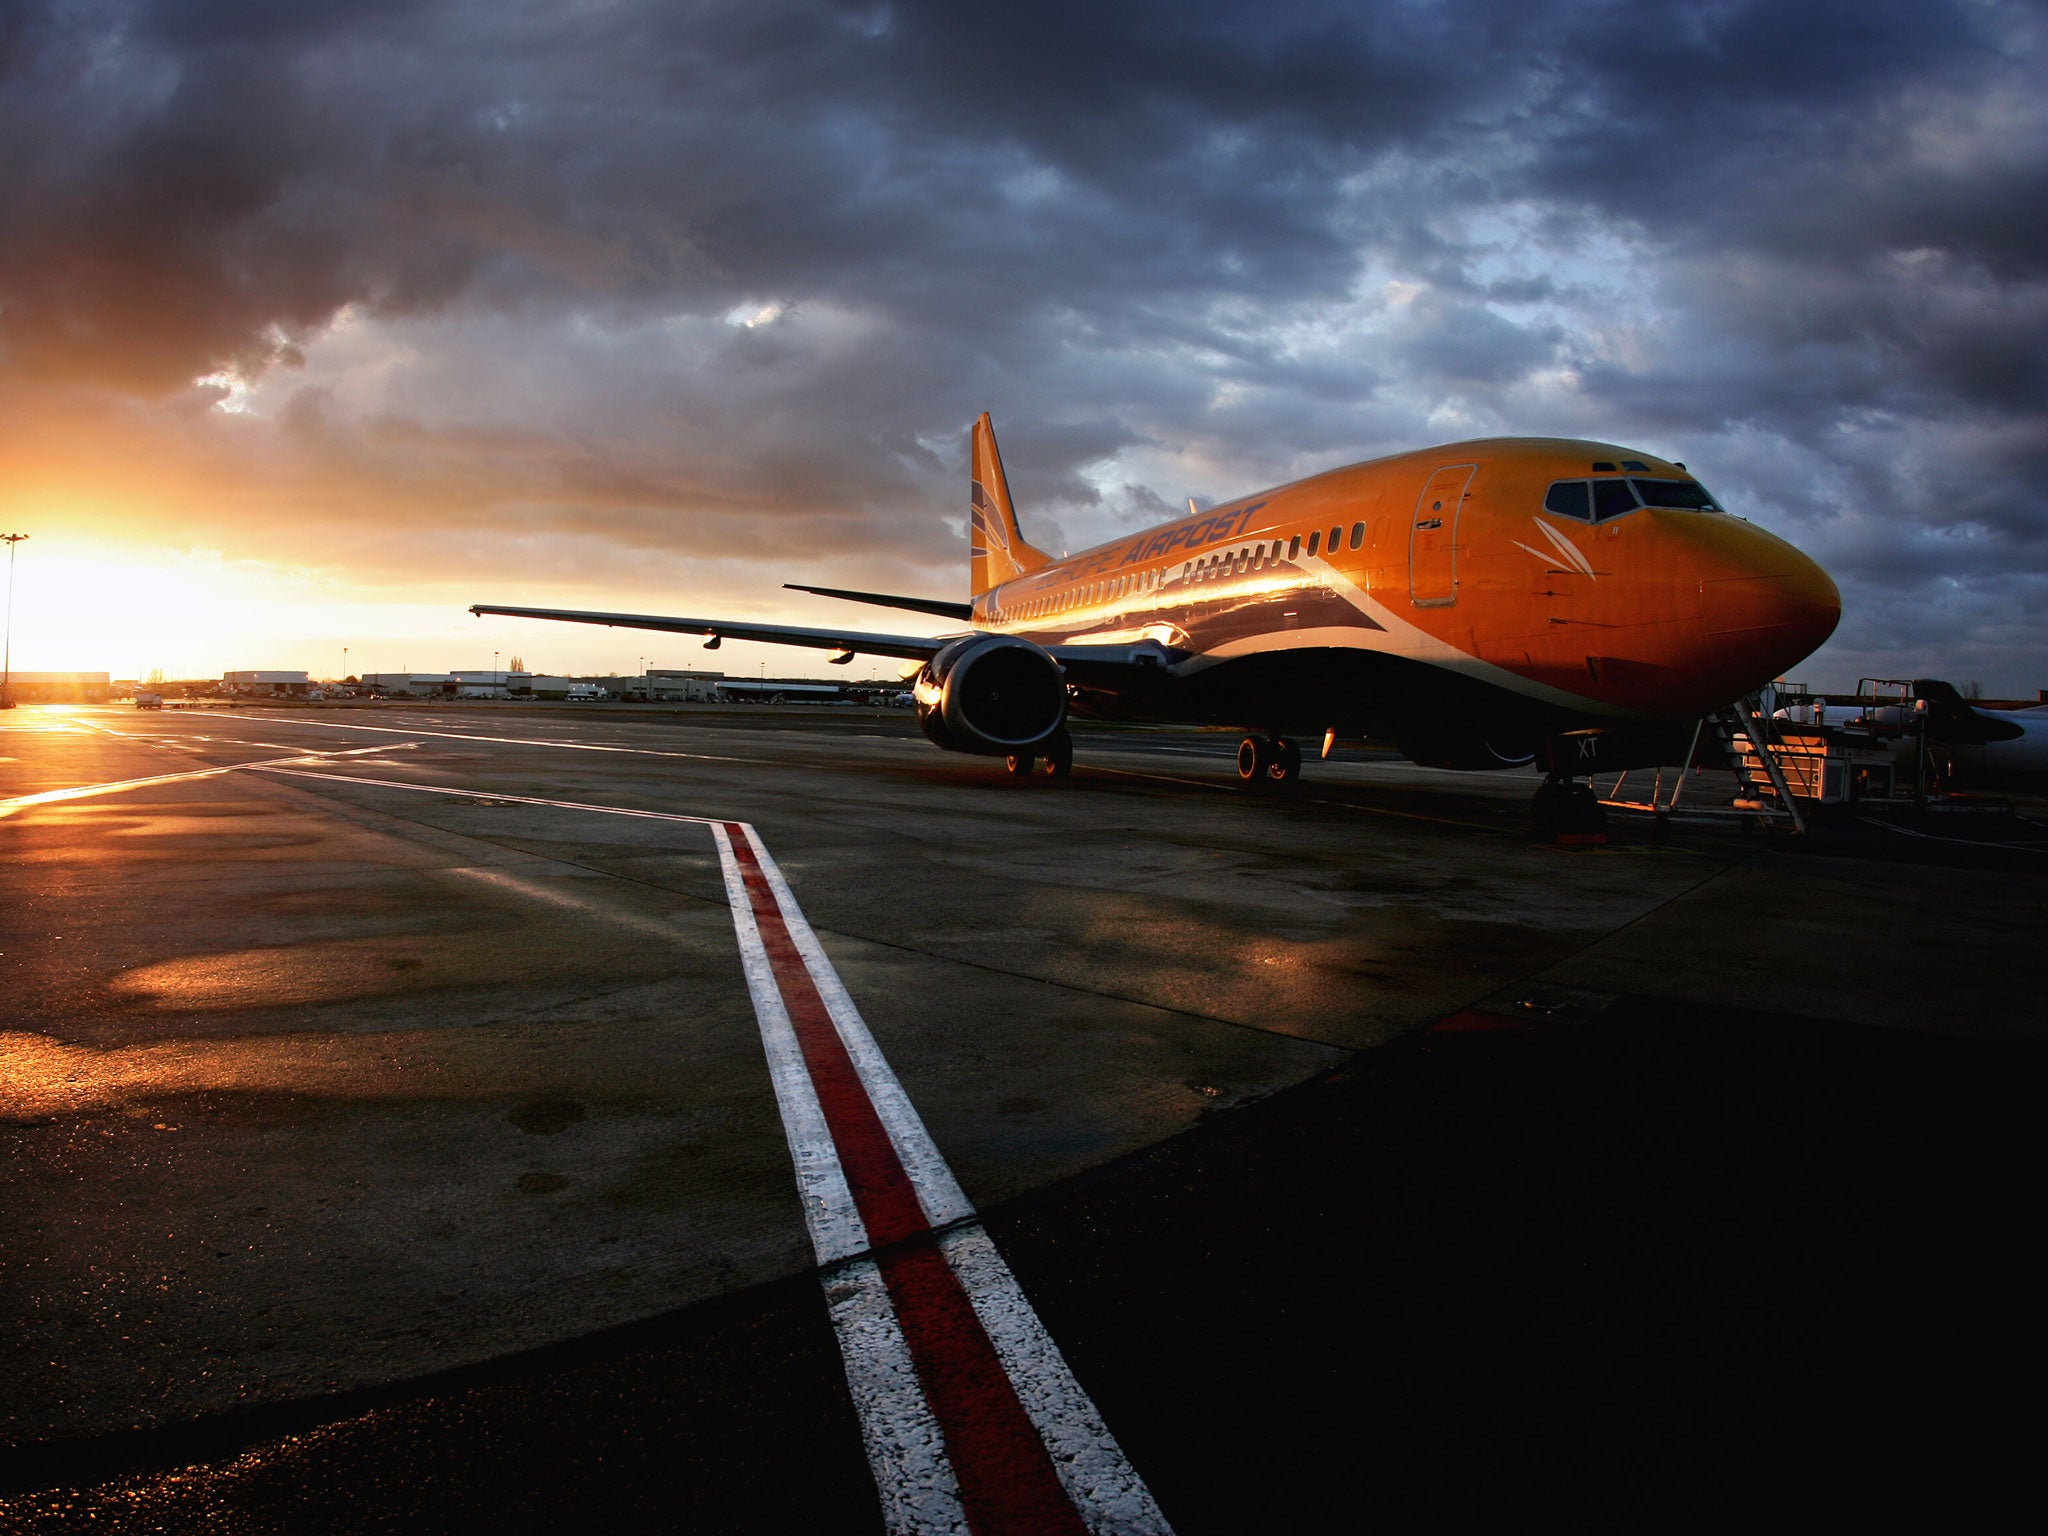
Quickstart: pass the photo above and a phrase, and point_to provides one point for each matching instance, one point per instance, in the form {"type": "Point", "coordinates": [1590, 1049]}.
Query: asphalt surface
{"type": "Point", "coordinates": [384, 1160]}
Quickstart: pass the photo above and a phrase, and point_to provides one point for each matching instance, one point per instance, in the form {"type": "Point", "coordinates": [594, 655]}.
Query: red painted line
{"type": "Point", "coordinates": [1472, 1021]}
{"type": "Point", "coordinates": [1007, 1483]}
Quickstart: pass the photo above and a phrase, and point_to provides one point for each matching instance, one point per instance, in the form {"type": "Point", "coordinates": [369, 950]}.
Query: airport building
{"type": "Point", "coordinates": [60, 687]}
{"type": "Point", "coordinates": [481, 683]}
{"type": "Point", "coordinates": [266, 685]}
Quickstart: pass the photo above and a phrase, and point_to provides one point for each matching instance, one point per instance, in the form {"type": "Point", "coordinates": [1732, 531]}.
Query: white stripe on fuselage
{"type": "Point", "coordinates": [1394, 636]}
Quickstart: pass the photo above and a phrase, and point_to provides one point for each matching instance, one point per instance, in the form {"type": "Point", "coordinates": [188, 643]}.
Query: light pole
{"type": "Point", "coordinates": [494, 670]}
{"type": "Point", "coordinates": [7, 646]}
{"type": "Point", "coordinates": [344, 666]}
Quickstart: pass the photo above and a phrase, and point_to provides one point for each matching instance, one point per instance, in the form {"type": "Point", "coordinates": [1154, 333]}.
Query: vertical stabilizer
{"type": "Point", "coordinates": [998, 548]}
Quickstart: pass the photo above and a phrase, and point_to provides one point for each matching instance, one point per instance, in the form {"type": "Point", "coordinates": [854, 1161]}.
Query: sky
{"type": "Point", "coordinates": [321, 321]}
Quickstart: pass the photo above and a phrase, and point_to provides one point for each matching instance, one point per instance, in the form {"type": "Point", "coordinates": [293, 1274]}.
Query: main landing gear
{"type": "Point", "coordinates": [1058, 759]}
{"type": "Point", "coordinates": [1269, 759]}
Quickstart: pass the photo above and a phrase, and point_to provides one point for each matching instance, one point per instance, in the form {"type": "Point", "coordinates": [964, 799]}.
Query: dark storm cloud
{"type": "Point", "coordinates": [1802, 243]}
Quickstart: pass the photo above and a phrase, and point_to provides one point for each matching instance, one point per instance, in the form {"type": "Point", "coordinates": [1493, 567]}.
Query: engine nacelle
{"type": "Point", "coordinates": [993, 695]}
{"type": "Point", "coordinates": [1476, 750]}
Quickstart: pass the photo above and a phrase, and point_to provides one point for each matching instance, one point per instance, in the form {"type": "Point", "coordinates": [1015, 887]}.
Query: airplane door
{"type": "Point", "coordinates": [1433, 537]}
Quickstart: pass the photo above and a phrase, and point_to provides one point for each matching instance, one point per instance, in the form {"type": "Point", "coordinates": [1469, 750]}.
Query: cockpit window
{"type": "Point", "coordinates": [1689, 494]}
{"type": "Point", "coordinates": [1611, 498]}
{"type": "Point", "coordinates": [1567, 498]}
{"type": "Point", "coordinates": [1593, 500]}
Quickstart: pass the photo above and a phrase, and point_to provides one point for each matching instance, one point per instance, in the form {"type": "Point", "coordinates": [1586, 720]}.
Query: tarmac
{"type": "Point", "coordinates": [390, 1140]}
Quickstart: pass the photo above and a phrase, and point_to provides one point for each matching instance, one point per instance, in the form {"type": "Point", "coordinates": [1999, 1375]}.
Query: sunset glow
{"type": "Point", "coordinates": [604, 318]}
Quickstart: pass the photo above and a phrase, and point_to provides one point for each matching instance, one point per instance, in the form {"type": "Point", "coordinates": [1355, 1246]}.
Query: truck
{"type": "Point", "coordinates": [148, 699]}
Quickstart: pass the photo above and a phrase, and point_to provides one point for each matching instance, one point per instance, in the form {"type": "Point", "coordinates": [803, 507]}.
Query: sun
{"type": "Point", "coordinates": [85, 606]}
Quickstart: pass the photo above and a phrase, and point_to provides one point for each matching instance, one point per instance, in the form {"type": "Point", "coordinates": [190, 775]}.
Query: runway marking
{"type": "Point", "coordinates": [478, 794]}
{"type": "Point", "coordinates": [507, 741]}
{"type": "Point", "coordinates": [973, 1421]}
{"type": "Point", "coordinates": [117, 786]}
{"type": "Point", "coordinates": [910, 1272]}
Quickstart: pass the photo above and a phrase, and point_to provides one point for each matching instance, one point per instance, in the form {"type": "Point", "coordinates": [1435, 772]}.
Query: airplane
{"type": "Point", "coordinates": [1483, 604]}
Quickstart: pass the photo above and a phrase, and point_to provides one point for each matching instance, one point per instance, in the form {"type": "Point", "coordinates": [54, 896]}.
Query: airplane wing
{"type": "Point", "coordinates": [909, 647]}
{"type": "Point", "coordinates": [1102, 664]}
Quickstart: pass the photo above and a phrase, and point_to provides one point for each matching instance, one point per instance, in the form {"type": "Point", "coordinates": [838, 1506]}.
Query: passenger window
{"type": "Point", "coordinates": [1567, 498]}
{"type": "Point", "coordinates": [1335, 535]}
{"type": "Point", "coordinates": [1611, 498]}
{"type": "Point", "coordinates": [1358, 535]}
{"type": "Point", "coordinates": [1313, 540]}
{"type": "Point", "coordinates": [1294, 548]}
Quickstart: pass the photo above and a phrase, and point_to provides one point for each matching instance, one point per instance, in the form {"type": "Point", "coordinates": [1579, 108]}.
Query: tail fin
{"type": "Point", "coordinates": [998, 547]}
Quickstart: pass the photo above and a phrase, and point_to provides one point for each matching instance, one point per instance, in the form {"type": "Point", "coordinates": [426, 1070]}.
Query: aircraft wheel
{"type": "Point", "coordinates": [1562, 806]}
{"type": "Point", "coordinates": [1059, 755]}
{"type": "Point", "coordinates": [1585, 812]}
{"type": "Point", "coordinates": [1254, 757]}
{"type": "Point", "coordinates": [1285, 767]}
{"type": "Point", "coordinates": [1020, 765]}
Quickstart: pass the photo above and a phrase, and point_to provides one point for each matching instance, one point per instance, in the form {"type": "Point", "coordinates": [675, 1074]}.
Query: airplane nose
{"type": "Point", "coordinates": [1764, 606]}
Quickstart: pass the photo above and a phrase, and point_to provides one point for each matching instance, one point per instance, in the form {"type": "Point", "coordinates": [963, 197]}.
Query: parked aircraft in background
{"type": "Point", "coordinates": [1972, 746]}
{"type": "Point", "coordinates": [1480, 605]}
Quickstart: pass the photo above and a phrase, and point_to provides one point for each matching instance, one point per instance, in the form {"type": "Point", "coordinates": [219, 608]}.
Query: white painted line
{"type": "Point", "coordinates": [115, 787]}
{"type": "Point", "coordinates": [914, 1478]}
{"type": "Point", "coordinates": [836, 1229]}
{"type": "Point", "coordinates": [937, 1190]}
{"type": "Point", "coordinates": [1104, 1486]}
{"type": "Point", "coordinates": [1039, 1454]}
{"type": "Point", "coordinates": [502, 741]}
{"type": "Point", "coordinates": [485, 794]}
{"type": "Point", "coordinates": [118, 786]}
{"type": "Point", "coordinates": [906, 1448]}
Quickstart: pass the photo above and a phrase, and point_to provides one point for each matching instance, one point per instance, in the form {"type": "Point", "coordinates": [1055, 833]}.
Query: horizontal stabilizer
{"type": "Point", "coordinates": [932, 605]}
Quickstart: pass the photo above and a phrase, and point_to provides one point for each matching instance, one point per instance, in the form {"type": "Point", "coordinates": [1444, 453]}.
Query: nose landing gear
{"type": "Point", "coordinates": [1567, 813]}
{"type": "Point", "coordinates": [1269, 759]}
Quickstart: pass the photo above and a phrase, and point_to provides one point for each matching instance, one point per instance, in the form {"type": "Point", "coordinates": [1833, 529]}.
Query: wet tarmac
{"type": "Point", "coordinates": [390, 1140]}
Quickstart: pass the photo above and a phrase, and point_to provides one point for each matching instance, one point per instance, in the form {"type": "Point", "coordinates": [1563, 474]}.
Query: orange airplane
{"type": "Point", "coordinates": [1484, 604]}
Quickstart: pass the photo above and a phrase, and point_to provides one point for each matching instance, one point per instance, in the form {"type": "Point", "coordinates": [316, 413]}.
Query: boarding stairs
{"type": "Point", "coordinates": [1772, 771]}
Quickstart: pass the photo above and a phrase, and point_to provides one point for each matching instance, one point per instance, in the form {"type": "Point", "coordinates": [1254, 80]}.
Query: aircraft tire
{"type": "Point", "coordinates": [1021, 765]}
{"type": "Point", "coordinates": [1562, 806]}
{"type": "Point", "coordinates": [1059, 755]}
{"type": "Point", "coordinates": [1254, 758]}
{"type": "Point", "coordinates": [1285, 767]}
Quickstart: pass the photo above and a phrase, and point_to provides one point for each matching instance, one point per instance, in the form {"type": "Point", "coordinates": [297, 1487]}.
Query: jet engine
{"type": "Point", "coordinates": [994, 695]}
{"type": "Point", "coordinates": [1467, 748]}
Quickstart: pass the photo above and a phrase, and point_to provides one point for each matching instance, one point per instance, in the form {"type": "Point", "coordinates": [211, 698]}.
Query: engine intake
{"type": "Point", "coordinates": [992, 695]}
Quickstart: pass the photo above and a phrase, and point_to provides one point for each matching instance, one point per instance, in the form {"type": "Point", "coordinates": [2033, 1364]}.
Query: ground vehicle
{"type": "Point", "coordinates": [146, 699]}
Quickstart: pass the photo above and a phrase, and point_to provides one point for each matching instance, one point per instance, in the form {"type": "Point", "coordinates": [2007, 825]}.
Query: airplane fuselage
{"type": "Point", "coordinates": [1404, 595]}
